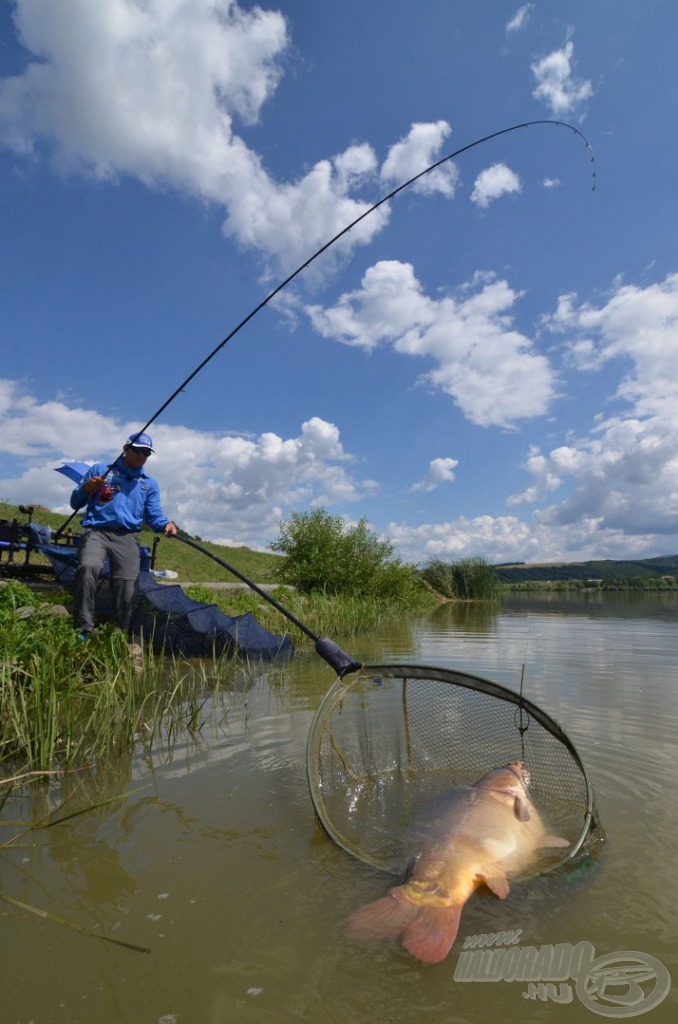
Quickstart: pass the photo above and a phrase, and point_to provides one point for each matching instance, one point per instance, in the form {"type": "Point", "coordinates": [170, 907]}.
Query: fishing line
{"type": "Point", "coordinates": [521, 718]}
{"type": "Point", "coordinates": [326, 246]}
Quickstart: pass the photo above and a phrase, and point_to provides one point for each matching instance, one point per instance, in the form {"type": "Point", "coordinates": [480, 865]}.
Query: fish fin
{"type": "Point", "coordinates": [496, 881]}
{"type": "Point", "coordinates": [431, 934]}
{"type": "Point", "coordinates": [426, 930]}
{"type": "Point", "coordinates": [385, 918]}
{"type": "Point", "coordinates": [554, 841]}
{"type": "Point", "coordinates": [521, 808]}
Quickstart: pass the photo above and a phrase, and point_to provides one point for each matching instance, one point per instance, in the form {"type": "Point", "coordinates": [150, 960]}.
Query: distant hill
{"type": "Point", "coordinates": [605, 569]}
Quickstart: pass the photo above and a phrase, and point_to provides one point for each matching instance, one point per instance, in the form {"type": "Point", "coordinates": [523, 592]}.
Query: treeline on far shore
{"type": "Point", "coordinates": [644, 583]}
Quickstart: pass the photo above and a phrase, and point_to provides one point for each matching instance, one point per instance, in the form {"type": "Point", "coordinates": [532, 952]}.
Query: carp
{"type": "Point", "coordinates": [474, 835]}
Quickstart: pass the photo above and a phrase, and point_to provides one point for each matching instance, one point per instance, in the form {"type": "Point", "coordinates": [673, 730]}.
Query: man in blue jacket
{"type": "Point", "coordinates": [117, 505]}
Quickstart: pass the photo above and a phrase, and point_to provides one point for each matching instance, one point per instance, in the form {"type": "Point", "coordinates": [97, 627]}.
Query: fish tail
{"type": "Point", "coordinates": [426, 928]}
{"type": "Point", "coordinates": [429, 936]}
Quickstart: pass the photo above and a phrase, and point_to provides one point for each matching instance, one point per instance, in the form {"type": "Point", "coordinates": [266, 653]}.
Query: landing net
{"type": "Point", "coordinates": [387, 741]}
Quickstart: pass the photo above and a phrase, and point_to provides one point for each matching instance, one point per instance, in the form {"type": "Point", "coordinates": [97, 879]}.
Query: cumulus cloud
{"type": "Point", "coordinates": [212, 484]}
{"type": "Point", "coordinates": [153, 89]}
{"type": "Point", "coordinates": [493, 182]}
{"type": "Point", "coordinates": [520, 18]}
{"type": "Point", "coordinates": [612, 492]}
{"type": "Point", "coordinates": [551, 182]}
{"type": "Point", "coordinates": [480, 360]}
{"type": "Point", "coordinates": [158, 91]}
{"type": "Point", "coordinates": [440, 471]}
{"type": "Point", "coordinates": [509, 539]}
{"type": "Point", "coordinates": [624, 474]}
{"type": "Point", "coordinates": [636, 325]}
{"type": "Point", "coordinates": [420, 148]}
{"type": "Point", "coordinates": [556, 84]}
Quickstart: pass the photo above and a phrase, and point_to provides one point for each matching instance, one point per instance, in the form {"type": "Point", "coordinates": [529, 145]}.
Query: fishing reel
{"type": "Point", "coordinates": [105, 493]}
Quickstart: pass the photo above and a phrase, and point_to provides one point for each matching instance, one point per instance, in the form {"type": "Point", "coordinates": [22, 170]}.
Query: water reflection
{"type": "Point", "coordinates": [218, 864]}
{"type": "Point", "coordinates": [466, 616]}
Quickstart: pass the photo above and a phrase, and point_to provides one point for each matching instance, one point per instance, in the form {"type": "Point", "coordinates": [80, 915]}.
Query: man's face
{"type": "Point", "coordinates": [135, 458]}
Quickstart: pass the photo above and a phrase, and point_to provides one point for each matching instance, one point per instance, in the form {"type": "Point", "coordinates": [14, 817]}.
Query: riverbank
{"type": "Point", "coordinates": [66, 704]}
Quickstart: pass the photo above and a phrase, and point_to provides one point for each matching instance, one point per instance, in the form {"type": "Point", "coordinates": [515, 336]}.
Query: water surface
{"type": "Point", "coordinates": [218, 865]}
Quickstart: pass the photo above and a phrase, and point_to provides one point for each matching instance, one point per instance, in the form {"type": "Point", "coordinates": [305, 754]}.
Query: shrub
{"type": "Point", "coordinates": [323, 554]}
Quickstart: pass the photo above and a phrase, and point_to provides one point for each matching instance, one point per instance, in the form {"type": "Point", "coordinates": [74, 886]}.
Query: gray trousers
{"type": "Point", "coordinates": [122, 549]}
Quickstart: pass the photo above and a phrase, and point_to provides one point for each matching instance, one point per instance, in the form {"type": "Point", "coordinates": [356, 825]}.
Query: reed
{"type": "Point", "coordinates": [469, 579]}
{"type": "Point", "coordinates": [333, 615]}
{"type": "Point", "coordinates": [63, 703]}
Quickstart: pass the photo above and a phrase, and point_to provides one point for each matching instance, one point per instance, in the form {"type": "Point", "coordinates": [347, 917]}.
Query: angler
{"type": "Point", "coordinates": [119, 499]}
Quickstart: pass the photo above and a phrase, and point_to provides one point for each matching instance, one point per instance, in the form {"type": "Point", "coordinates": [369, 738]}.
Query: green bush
{"type": "Point", "coordinates": [323, 554]}
{"type": "Point", "coordinates": [469, 579]}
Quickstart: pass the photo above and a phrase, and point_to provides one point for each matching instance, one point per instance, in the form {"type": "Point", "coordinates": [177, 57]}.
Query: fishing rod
{"type": "Point", "coordinates": [339, 660]}
{"type": "Point", "coordinates": [438, 163]}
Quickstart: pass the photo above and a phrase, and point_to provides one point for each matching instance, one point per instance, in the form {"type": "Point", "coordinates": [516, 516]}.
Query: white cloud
{"type": "Point", "coordinates": [556, 85]}
{"type": "Point", "coordinates": [520, 18]}
{"type": "Point", "coordinates": [440, 471]}
{"type": "Point", "coordinates": [551, 182]}
{"type": "Point", "coordinates": [151, 89]}
{"type": "Point", "coordinates": [480, 360]}
{"type": "Point", "coordinates": [509, 539]}
{"type": "Point", "coordinates": [155, 89]}
{"type": "Point", "coordinates": [420, 148]}
{"type": "Point", "coordinates": [637, 325]}
{"type": "Point", "coordinates": [624, 474]}
{"type": "Point", "coordinates": [212, 484]}
{"type": "Point", "coordinates": [493, 182]}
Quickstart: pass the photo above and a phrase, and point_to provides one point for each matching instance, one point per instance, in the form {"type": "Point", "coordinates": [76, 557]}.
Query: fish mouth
{"type": "Point", "coordinates": [520, 770]}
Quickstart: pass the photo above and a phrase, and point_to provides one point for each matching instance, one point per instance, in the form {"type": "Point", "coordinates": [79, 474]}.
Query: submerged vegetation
{"type": "Point", "coordinates": [469, 579]}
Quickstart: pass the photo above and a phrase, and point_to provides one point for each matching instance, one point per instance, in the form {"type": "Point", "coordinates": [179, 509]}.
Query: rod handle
{"type": "Point", "coordinates": [341, 662]}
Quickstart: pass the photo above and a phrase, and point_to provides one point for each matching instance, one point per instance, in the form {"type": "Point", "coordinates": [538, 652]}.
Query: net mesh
{"type": "Point", "coordinates": [385, 743]}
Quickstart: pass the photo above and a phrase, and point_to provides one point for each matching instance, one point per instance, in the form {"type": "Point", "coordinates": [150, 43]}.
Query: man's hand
{"type": "Point", "coordinates": [170, 530]}
{"type": "Point", "coordinates": [92, 485]}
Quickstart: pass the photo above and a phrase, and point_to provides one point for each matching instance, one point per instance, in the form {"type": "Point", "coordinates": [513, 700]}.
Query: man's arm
{"type": "Point", "coordinates": [90, 484]}
{"type": "Point", "coordinates": [154, 515]}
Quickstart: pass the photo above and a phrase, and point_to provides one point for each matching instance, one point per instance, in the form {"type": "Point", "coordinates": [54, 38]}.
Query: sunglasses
{"type": "Point", "coordinates": [141, 451]}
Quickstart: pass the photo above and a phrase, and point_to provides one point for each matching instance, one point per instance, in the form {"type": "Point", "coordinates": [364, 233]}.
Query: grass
{"type": "Point", "coordinates": [260, 566]}
{"type": "Point", "coordinates": [64, 703]}
{"type": "Point", "coordinates": [330, 615]}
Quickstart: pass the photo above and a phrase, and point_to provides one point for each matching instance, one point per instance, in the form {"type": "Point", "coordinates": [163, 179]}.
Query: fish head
{"type": "Point", "coordinates": [521, 772]}
{"type": "Point", "coordinates": [509, 784]}
{"type": "Point", "coordinates": [513, 777]}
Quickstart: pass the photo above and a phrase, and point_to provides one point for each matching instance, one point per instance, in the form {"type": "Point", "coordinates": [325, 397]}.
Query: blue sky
{"type": "Point", "coordinates": [486, 366]}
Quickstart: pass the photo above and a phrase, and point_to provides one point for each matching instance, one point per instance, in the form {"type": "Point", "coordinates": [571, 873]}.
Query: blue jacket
{"type": "Point", "coordinates": [136, 499]}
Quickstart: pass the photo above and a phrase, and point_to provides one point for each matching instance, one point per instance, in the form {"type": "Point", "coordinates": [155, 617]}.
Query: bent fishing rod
{"type": "Point", "coordinates": [366, 213]}
{"type": "Point", "coordinates": [339, 660]}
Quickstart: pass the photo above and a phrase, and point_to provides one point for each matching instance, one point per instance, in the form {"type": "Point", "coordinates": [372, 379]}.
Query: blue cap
{"type": "Point", "coordinates": [140, 441]}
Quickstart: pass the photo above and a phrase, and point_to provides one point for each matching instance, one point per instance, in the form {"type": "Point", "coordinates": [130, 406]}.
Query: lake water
{"type": "Point", "coordinates": [217, 864]}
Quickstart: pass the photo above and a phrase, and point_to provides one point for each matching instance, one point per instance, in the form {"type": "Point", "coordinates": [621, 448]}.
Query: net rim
{"type": "Point", "coordinates": [342, 686]}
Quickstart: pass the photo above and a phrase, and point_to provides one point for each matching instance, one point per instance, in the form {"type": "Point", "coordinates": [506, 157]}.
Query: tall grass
{"type": "Point", "coordinates": [63, 703]}
{"type": "Point", "coordinates": [330, 615]}
{"type": "Point", "coordinates": [469, 579]}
